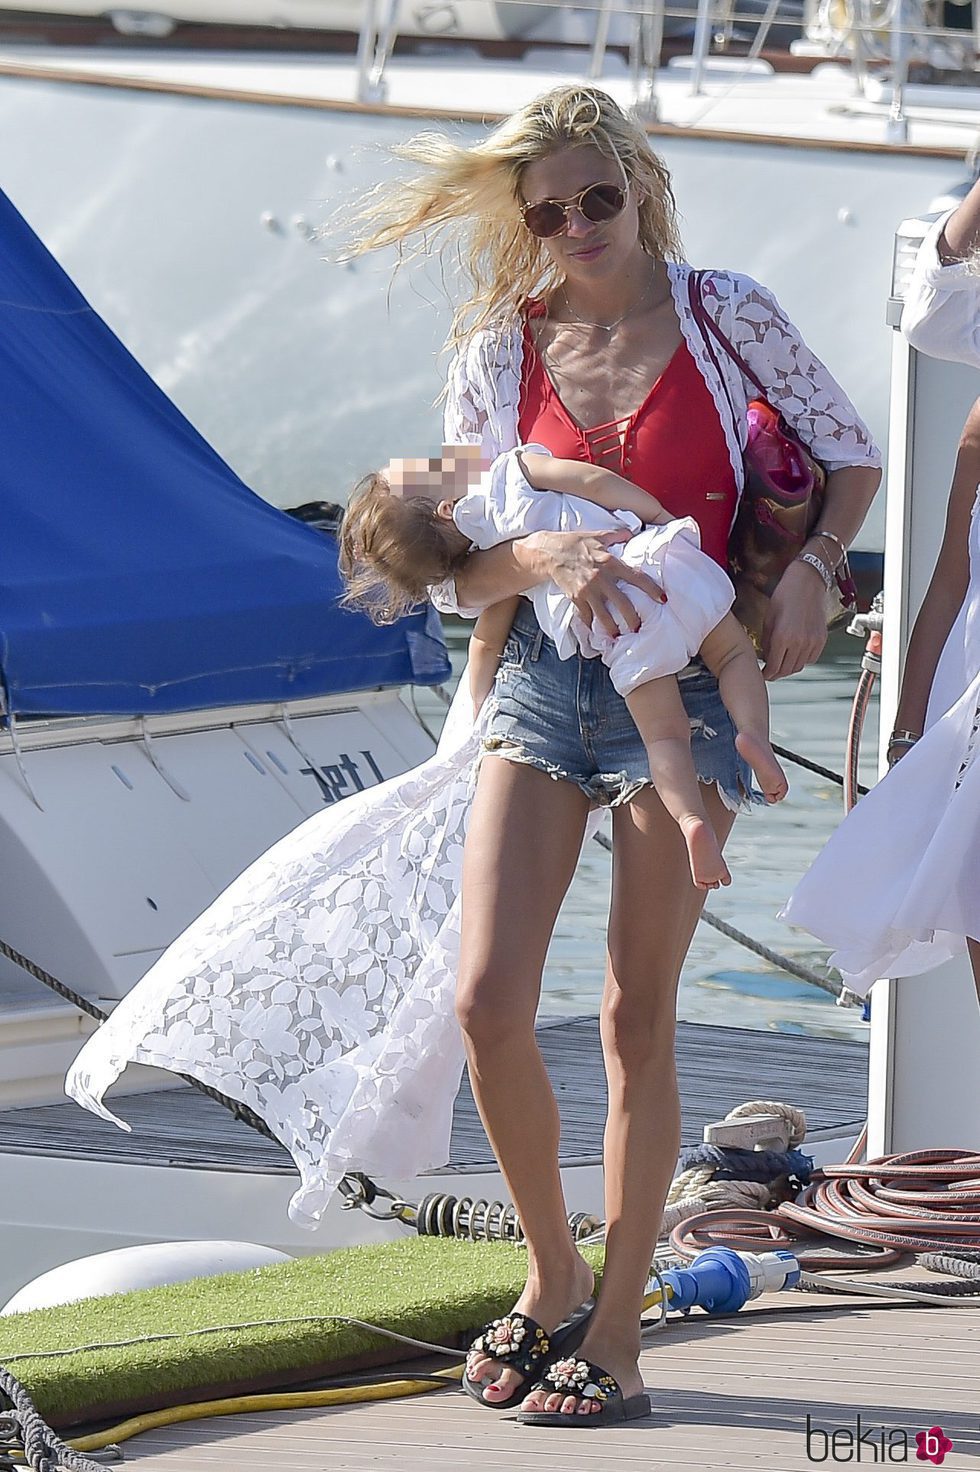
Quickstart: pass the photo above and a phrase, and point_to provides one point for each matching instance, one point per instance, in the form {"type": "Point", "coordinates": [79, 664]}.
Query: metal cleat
{"type": "Point", "coordinates": [750, 1132]}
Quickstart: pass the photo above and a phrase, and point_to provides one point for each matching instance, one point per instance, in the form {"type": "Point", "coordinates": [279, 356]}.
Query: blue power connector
{"type": "Point", "coordinates": [721, 1280]}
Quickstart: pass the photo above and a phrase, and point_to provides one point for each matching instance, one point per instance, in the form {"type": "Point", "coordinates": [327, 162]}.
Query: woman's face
{"type": "Point", "coordinates": [584, 252]}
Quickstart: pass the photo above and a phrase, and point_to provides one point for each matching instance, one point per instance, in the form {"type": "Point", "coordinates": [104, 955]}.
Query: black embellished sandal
{"type": "Point", "coordinates": [587, 1381]}
{"type": "Point", "coordinates": [520, 1343]}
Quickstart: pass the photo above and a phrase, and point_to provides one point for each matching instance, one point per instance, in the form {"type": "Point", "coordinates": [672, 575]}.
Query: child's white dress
{"type": "Point", "coordinates": [699, 592]}
{"type": "Point", "coordinates": [896, 891]}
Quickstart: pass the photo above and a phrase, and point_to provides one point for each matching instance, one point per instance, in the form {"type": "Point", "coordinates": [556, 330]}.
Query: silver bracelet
{"type": "Point", "coordinates": [813, 560]}
{"type": "Point", "coordinates": [833, 537]}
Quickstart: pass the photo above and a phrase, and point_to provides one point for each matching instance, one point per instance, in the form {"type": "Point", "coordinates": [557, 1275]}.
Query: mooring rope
{"type": "Point", "coordinates": [803, 761]}
{"type": "Point", "coordinates": [43, 1449]}
{"type": "Point", "coordinates": [794, 968]}
{"type": "Point", "coordinates": [240, 1111]}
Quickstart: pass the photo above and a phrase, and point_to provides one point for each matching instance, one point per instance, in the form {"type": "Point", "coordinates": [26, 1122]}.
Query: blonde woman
{"type": "Point", "coordinates": [575, 331]}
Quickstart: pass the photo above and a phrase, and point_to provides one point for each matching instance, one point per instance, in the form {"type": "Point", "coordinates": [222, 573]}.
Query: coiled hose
{"type": "Point", "coordinates": [922, 1201]}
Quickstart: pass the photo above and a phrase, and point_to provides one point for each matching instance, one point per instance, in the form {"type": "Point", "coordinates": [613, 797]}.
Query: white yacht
{"type": "Point", "coordinates": [195, 179]}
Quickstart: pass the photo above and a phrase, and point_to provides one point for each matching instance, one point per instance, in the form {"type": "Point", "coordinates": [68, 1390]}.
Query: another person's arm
{"type": "Point", "coordinates": [960, 236]}
{"type": "Point", "coordinates": [941, 315]}
{"type": "Point", "coordinates": [946, 592]}
{"type": "Point", "coordinates": [592, 483]}
{"type": "Point", "coordinates": [486, 646]}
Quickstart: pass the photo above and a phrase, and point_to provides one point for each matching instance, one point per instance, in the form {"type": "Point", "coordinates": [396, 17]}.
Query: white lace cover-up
{"type": "Point", "coordinates": [318, 989]}
{"type": "Point", "coordinates": [896, 891]}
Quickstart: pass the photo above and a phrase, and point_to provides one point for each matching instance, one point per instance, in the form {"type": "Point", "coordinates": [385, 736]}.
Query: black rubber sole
{"type": "Point", "coordinates": [613, 1413]}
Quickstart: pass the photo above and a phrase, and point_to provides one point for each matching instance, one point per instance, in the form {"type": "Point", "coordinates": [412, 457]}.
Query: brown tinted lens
{"type": "Point", "coordinates": [545, 219]}
{"type": "Point", "coordinates": [603, 202]}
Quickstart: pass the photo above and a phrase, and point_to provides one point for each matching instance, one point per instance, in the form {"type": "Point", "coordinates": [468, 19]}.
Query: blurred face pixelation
{"type": "Point", "coordinates": [443, 481]}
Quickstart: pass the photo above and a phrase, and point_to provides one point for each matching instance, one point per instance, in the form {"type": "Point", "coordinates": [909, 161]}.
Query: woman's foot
{"type": "Point", "coordinates": [708, 867]}
{"type": "Point", "coordinates": [615, 1356]}
{"type": "Point", "coordinates": [549, 1303]}
{"type": "Point", "coordinates": [762, 759]}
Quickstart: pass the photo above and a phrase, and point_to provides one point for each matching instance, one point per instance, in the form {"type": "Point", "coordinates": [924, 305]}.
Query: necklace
{"type": "Point", "coordinates": [609, 326]}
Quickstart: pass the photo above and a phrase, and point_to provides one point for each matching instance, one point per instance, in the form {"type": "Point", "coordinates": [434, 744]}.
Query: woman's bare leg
{"type": "Point", "coordinates": [729, 655]}
{"type": "Point", "coordinates": [522, 846]}
{"type": "Point", "coordinates": [662, 721]}
{"type": "Point", "coordinates": [973, 946]}
{"type": "Point", "coordinates": [655, 909]}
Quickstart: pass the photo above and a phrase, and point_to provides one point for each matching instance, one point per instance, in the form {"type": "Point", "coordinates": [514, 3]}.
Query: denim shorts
{"type": "Point", "coordinates": [564, 717]}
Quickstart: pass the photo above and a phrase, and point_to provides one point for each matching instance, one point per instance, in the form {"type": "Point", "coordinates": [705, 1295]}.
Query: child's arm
{"type": "Point", "coordinates": [593, 483]}
{"type": "Point", "coordinates": [486, 646]}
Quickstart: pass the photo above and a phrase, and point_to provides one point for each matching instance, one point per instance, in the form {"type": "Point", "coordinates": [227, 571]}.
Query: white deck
{"type": "Point", "coordinates": [738, 98]}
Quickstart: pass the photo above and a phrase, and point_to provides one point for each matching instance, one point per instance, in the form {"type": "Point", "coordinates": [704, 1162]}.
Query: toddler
{"type": "Point", "coordinates": [414, 523]}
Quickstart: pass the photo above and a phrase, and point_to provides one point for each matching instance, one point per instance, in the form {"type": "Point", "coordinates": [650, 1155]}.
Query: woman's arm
{"type": "Point", "coordinates": [486, 646]}
{"type": "Point", "coordinates": [580, 563]}
{"type": "Point", "coordinates": [795, 631]}
{"type": "Point", "coordinates": [800, 386]}
{"type": "Point", "coordinates": [941, 314]}
{"type": "Point", "coordinates": [960, 236]}
{"type": "Point", "coordinates": [592, 483]}
{"type": "Point", "coordinates": [948, 585]}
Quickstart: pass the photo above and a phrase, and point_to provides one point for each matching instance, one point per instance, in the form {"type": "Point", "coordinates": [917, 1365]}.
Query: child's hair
{"type": "Point", "coordinates": [392, 550]}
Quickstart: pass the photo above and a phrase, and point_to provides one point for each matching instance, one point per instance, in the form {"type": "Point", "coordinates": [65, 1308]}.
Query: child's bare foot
{"type": "Point", "coordinates": [762, 759]}
{"type": "Point", "coordinates": [708, 868]}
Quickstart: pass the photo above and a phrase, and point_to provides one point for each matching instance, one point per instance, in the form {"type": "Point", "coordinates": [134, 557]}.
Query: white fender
{"type": "Point", "coordinates": [145, 1266]}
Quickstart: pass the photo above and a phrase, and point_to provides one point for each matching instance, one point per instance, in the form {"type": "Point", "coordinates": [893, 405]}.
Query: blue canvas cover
{"type": "Point", "coordinates": [138, 574]}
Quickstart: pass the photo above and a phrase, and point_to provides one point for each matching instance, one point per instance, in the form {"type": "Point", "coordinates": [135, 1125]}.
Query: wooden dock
{"type": "Point", "coordinates": [728, 1393]}
{"type": "Point", "coordinates": [718, 1068]}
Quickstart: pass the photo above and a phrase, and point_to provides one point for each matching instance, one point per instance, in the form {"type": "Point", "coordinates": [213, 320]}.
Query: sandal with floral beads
{"type": "Point", "coordinates": [586, 1381]}
{"type": "Point", "coordinates": [520, 1343]}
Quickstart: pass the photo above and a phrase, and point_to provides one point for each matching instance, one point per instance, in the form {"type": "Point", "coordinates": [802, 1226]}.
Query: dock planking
{"type": "Point", "coordinates": [718, 1068]}
{"type": "Point", "coordinates": [768, 1387]}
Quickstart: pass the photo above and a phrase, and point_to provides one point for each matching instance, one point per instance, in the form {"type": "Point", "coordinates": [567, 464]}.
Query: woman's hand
{"type": "Point", "coordinates": [588, 573]}
{"type": "Point", "coordinates": [795, 630]}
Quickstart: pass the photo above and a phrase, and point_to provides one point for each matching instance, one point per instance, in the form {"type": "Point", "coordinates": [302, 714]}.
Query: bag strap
{"type": "Point", "coordinates": [704, 325]}
{"type": "Point", "coordinates": [707, 324]}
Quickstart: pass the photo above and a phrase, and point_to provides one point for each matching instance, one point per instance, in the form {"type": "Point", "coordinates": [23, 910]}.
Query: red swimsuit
{"type": "Point", "coordinates": [673, 445]}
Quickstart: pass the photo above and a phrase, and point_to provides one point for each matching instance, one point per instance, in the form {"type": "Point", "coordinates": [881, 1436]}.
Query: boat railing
{"type": "Point", "coordinates": [871, 35]}
{"type": "Point", "coordinates": [379, 31]}
{"type": "Point", "coordinates": [374, 46]}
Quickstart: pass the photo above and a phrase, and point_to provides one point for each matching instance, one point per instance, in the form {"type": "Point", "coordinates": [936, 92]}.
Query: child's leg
{"type": "Point", "coordinates": [729, 655]}
{"type": "Point", "coordinates": [662, 721]}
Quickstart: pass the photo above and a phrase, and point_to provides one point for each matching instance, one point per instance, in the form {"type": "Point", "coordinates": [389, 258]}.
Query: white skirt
{"type": "Point", "coordinates": [896, 891]}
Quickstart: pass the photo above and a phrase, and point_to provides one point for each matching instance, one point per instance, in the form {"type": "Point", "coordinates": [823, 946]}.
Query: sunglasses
{"type": "Point", "coordinates": [598, 203]}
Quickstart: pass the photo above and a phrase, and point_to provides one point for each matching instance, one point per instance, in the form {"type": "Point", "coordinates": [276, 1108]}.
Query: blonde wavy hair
{"type": "Point", "coordinates": [471, 198]}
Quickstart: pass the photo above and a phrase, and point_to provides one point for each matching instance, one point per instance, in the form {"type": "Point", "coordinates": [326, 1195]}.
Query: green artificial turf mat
{"type": "Point", "coordinates": [429, 1288]}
